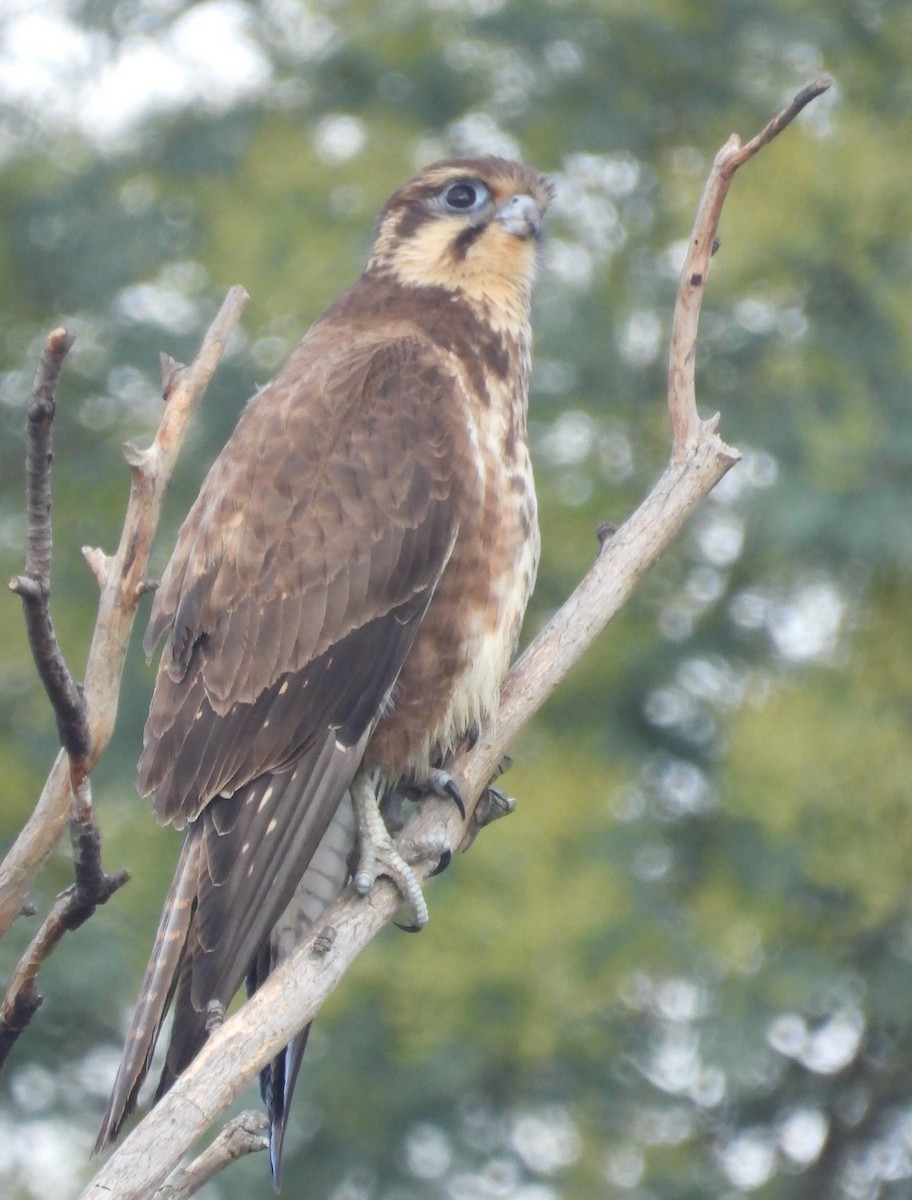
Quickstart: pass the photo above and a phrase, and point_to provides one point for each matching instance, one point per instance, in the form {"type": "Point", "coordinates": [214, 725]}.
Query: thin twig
{"type": "Point", "coordinates": [123, 580]}
{"type": "Point", "coordinates": [72, 908]}
{"type": "Point", "coordinates": [85, 720]}
{"type": "Point", "coordinates": [774, 127]}
{"type": "Point", "coordinates": [92, 886]}
{"type": "Point", "coordinates": [682, 403]}
{"type": "Point", "coordinates": [34, 585]}
{"type": "Point", "coordinates": [25, 1003]}
{"type": "Point", "coordinates": [242, 1135]}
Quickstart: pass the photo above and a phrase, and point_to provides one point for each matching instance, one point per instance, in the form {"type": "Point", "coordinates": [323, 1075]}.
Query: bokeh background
{"type": "Point", "coordinates": [684, 967]}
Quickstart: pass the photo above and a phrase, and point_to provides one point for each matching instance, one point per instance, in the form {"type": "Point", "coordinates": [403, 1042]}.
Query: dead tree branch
{"type": "Point", "coordinates": [122, 580]}
{"type": "Point", "coordinates": [72, 908]}
{"type": "Point", "coordinates": [34, 586]}
{"type": "Point", "coordinates": [92, 886]}
{"type": "Point", "coordinates": [686, 426]}
{"type": "Point", "coordinates": [294, 993]}
{"type": "Point", "coordinates": [243, 1135]}
{"type": "Point", "coordinates": [85, 717]}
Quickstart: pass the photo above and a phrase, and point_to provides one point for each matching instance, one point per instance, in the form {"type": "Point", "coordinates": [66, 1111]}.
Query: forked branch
{"type": "Point", "coordinates": [85, 716]}
{"type": "Point", "coordinates": [92, 886]}
{"type": "Point", "coordinates": [244, 1134]}
{"type": "Point", "coordinates": [682, 405]}
{"type": "Point", "coordinates": [122, 580]}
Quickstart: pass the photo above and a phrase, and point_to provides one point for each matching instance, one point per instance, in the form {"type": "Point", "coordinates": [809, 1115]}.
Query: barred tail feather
{"type": "Point", "coordinates": [321, 883]}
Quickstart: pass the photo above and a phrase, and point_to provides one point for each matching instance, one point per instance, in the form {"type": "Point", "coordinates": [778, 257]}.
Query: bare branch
{"type": "Point", "coordinates": [24, 1003]}
{"type": "Point", "coordinates": [98, 562]}
{"type": "Point", "coordinates": [34, 586]}
{"type": "Point", "coordinates": [682, 402]}
{"type": "Point", "coordinates": [68, 787]}
{"type": "Point", "coordinates": [294, 993]}
{"type": "Point", "coordinates": [92, 886]}
{"type": "Point", "coordinates": [241, 1136]}
{"type": "Point", "coordinates": [774, 127]}
{"type": "Point", "coordinates": [122, 580]}
{"type": "Point", "coordinates": [72, 908]}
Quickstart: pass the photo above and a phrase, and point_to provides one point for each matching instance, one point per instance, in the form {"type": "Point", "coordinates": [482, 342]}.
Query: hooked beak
{"type": "Point", "coordinates": [521, 216]}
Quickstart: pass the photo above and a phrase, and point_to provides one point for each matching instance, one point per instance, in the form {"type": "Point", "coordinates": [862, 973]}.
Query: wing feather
{"type": "Point", "coordinates": [158, 986]}
{"type": "Point", "coordinates": [256, 596]}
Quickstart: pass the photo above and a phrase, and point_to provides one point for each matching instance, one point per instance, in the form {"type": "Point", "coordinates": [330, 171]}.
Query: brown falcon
{"type": "Point", "coordinates": [343, 600]}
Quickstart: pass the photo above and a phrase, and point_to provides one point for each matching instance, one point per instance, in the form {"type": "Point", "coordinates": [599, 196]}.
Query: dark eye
{"type": "Point", "coordinates": [464, 196]}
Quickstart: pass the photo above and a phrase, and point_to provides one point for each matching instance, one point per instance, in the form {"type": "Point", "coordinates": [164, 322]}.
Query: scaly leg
{"type": "Point", "coordinates": [377, 853]}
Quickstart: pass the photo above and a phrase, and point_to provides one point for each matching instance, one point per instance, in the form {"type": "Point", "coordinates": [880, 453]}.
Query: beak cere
{"type": "Point", "coordinates": [521, 216]}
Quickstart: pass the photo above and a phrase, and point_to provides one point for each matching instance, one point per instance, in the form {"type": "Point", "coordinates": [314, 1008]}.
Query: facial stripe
{"type": "Point", "coordinates": [414, 215]}
{"type": "Point", "coordinates": [466, 239]}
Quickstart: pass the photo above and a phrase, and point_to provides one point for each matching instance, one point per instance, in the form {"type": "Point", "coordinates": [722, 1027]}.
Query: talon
{"type": "Point", "coordinates": [442, 785]}
{"type": "Point", "coordinates": [445, 860]}
{"type": "Point", "coordinates": [453, 792]}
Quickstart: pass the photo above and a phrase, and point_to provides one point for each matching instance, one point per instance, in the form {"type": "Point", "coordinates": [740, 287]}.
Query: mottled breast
{"type": "Point", "coordinates": [451, 679]}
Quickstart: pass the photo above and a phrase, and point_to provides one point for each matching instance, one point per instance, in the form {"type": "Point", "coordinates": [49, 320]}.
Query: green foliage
{"type": "Point", "coordinates": [834, 807]}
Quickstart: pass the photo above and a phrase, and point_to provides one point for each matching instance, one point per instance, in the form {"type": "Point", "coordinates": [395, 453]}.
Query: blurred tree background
{"type": "Point", "coordinates": [684, 967]}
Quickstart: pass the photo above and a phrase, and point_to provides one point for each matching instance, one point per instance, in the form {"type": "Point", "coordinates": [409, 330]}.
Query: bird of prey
{"type": "Point", "coordinates": [343, 601]}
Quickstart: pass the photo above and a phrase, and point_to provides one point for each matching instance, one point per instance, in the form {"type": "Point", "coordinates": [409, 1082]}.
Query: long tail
{"type": "Point", "coordinates": [156, 992]}
{"type": "Point", "coordinates": [242, 861]}
{"type": "Point", "coordinates": [321, 883]}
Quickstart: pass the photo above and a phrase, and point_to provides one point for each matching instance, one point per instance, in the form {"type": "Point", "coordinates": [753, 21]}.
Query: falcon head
{"type": "Point", "coordinates": [469, 225]}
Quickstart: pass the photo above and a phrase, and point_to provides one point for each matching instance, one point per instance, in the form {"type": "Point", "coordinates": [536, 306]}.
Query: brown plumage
{"type": "Point", "coordinates": [344, 597]}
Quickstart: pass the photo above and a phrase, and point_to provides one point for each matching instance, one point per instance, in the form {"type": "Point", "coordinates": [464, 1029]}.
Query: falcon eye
{"type": "Point", "coordinates": [465, 196]}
